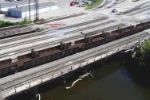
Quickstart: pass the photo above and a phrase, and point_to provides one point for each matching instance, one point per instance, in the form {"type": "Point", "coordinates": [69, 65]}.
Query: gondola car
{"type": "Point", "coordinates": [65, 49]}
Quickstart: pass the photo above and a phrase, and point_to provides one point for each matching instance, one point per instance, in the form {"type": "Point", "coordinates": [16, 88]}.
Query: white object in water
{"type": "Point", "coordinates": [39, 96]}
{"type": "Point", "coordinates": [80, 78]}
{"type": "Point", "coordinates": [74, 83]}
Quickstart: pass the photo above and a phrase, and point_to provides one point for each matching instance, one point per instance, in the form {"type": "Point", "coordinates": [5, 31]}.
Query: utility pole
{"type": "Point", "coordinates": [36, 10]}
{"type": "Point", "coordinates": [0, 6]}
{"type": "Point", "coordinates": [29, 11]}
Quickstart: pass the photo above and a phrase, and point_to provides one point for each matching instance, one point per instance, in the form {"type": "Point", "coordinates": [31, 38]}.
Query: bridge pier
{"type": "Point", "coordinates": [34, 91]}
{"type": "Point", "coordinates": [103, 61]}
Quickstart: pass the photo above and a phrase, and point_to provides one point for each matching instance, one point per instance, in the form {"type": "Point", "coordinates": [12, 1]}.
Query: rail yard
{"type": "Point", "coordinates": [24, 52]}
{"type": "Point", "coordinates": [67, 48]}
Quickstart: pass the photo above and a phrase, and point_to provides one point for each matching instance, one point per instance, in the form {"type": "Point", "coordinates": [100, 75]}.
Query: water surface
{"type": "Point", "coordinates": [110, 82]}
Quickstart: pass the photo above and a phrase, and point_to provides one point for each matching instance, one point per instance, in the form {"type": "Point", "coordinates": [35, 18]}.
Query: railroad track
{"type": "Point", "coordinates": [85, 54]}
{"type": "Point", "coordinates": [137, 11]}
{"type": "Point", "coordinates": [105, 29]}
{"type": "Point", "coordinates": [11, 27]}
{"type": "Point", "coordinates": [49, 37]}
{"type": "Point", "coordinates": [133, 9]}
{"type": "Point", "coordinates": [41, 46]}
{"type": "Point", "coordinates": [84, 23]}
{"type": "Point", "coordinates": [92, 26]}
{"type": "Point", "coordinates": [41, 33]}
{"type": "Point", "coordinates": [61, 18]}
{"type": "Point", "coordinates": [107, 3]}
{"type": "Point", "coordinates": [21, 30]}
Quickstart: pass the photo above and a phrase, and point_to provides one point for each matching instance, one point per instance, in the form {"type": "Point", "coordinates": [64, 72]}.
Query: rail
{"type": "Point", "coordinates": [75, 59]}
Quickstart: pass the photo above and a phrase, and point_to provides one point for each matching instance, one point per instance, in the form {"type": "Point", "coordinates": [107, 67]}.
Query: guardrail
{"type": "Point", "coordinates": [45, 73]}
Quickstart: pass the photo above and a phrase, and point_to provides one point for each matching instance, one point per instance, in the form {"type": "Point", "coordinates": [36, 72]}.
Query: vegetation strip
{"type": "Point", "coordinates": [94, 3]}
{"type": "Point", "coordinates": [143, 54]}
{"type": "Point", "coordinates": [8, 23]}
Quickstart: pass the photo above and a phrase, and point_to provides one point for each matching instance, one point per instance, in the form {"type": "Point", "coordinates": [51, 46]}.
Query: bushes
{"type": "Point", "coordinates": [94, 3]}
{"type": "Point", "coordinates": [143, 54]}
{"type": "Point", "coordinates": [147, 47]}
{"type": "Point", "coordinates": [5, 23]}
{"type": "Point", "coordinates": [8, 23]}
{"type": "Point", "coordinates": [40, 29]}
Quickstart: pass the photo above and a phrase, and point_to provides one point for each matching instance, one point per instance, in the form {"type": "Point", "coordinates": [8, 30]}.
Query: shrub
{"type": "Point", "coordinates": [8, 23]}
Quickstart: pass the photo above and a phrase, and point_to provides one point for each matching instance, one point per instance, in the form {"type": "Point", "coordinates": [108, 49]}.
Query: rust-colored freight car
{"type": "Point", "coordinates": [64, 49]}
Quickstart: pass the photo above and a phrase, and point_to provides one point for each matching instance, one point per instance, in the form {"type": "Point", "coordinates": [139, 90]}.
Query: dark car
{"type": "Point", "coordinates": [114, 10]}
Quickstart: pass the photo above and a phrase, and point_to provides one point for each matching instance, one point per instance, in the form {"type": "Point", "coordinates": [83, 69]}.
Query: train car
{"type": "Point", "coordinates": [139, 27]}
{"type": "Point", "coordinates": [65, 49]}
{"type": "Point", "coordinates": [147, 25]}
{"type": "Point", "coordinates": [17, 31]}
{"type": "Point", "coordinates": [7, 67]}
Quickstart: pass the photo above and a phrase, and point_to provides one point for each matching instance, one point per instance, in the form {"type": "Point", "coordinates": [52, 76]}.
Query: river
{"type": "Point", "coordinates": [111, 81]}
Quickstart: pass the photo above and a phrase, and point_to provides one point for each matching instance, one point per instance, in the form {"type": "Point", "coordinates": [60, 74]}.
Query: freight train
{"type": "Point", "coordinates": [65, 49]}
{"type": "Point", "coordinates": [20, 30]}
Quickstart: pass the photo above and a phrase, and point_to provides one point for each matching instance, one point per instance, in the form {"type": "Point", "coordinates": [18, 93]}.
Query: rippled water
{"type": "Point", "coordinates": [110, 82]}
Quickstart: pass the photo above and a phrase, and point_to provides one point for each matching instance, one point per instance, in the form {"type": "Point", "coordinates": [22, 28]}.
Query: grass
{"type": "Point", "coordinates": [40, 29]}
{"type": "Point", "coordinates": [49, 18]}
{"type": "Point", "coordinates": [8, 23]}
{"type": "Point", "coordinates": [94, 3]}
{"type": "Point", "coordinates": [42, 20]}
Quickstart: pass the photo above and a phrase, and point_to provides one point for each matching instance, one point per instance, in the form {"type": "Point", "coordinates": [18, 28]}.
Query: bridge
{"type": "Point", "coordinates": [33, 77]}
